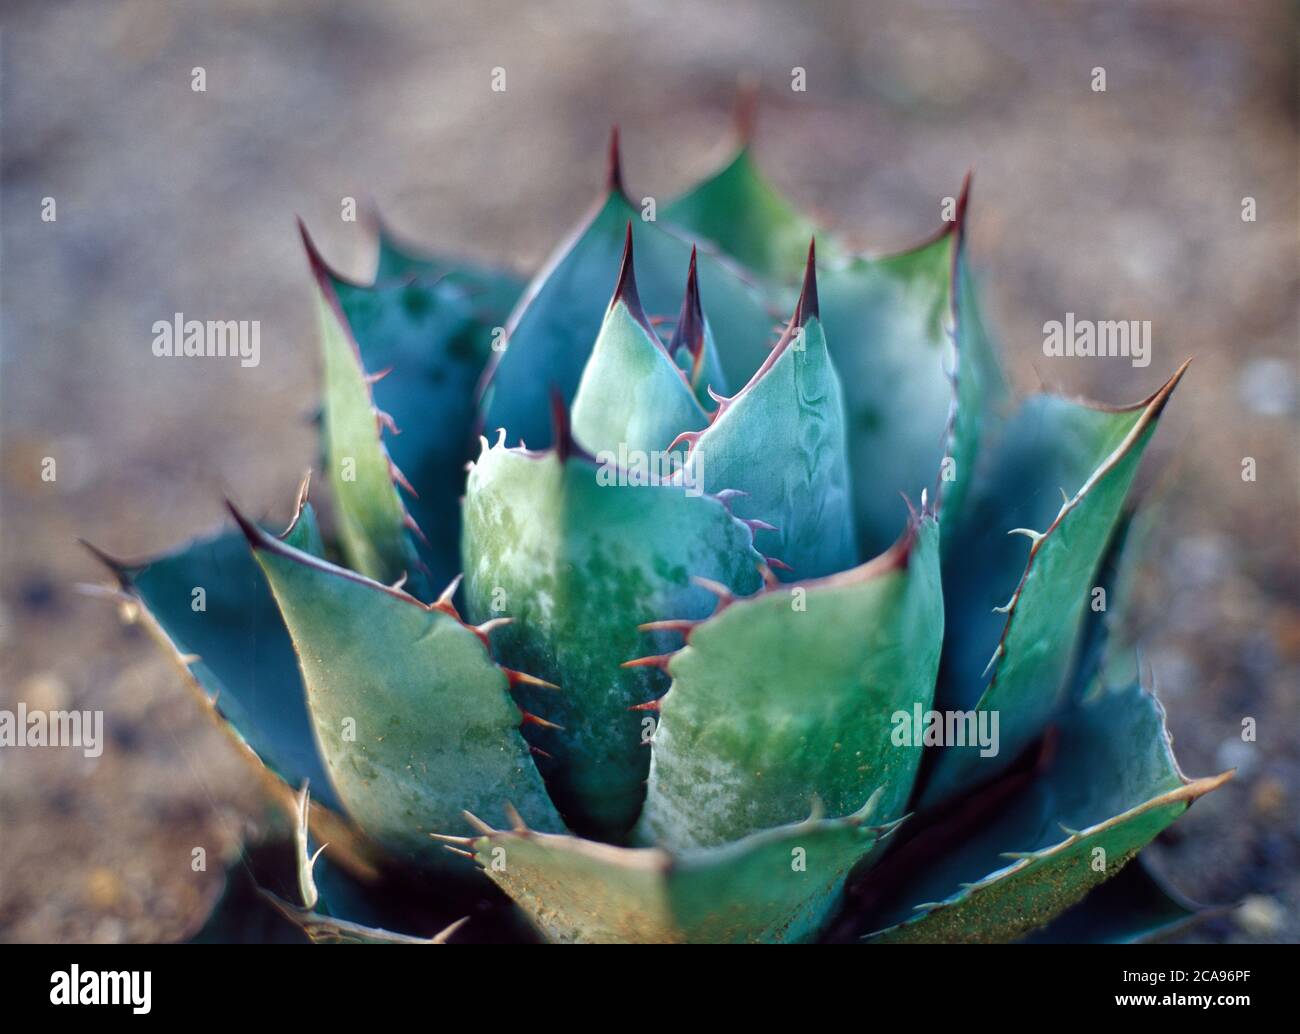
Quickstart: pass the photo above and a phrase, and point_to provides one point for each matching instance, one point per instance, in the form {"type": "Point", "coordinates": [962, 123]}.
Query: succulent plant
{"type": "Point", "coordinates": [729, 607]}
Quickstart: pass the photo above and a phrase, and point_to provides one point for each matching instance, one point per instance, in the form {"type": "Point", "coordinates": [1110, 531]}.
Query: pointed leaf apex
{"type": "Point", "coordinates": [324, 276]}
{"type": "Point", "coordinates": [625, 290]}
{"type": "Point", "coordinates": [614, 165]}
{"type": "Point", "coordinates": [315, 260]}
{"type": "Point", "coordinates": [256, 537]}
{"type": "Point", "coordinates": [1157, 402]}
{"type": "Point", "coordinates": [807, 307]}
{"type": "Point", "coordinates": [689, 332]}
{"type": "Point", "coordinates": [963, 205]}
{"type": "Point", "coordinates": [561, 431]}
{"type": "Point", "coordinates": [118, 568]}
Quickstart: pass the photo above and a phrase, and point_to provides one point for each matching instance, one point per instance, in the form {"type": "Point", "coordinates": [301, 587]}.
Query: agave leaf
{"type": "Point", "coordinates": [490, 291]}
{"type": "Point", "coordinates": [780, 442]}
{"type": "Point", "coordinates": [1048, 448]}
{"type": "Point", "coordinates": [1133, 907]}
{"type": "Point", "coordinates": [375, 529]}
{"type": "Point", "coordinates": [233, 644]}
{"type": "Point", "coordinates": [1106, 642]}
{"type": "Point", "coordinates": [431, 324]}
{"type": "Point", "coordinates": [775, 886]}
{"type": "Point", "coordinates": [982, 393]}
{"type": "Point", "coordinates": [578, 565]}
{"type": "Point", "coordinates": [900, 328]}
{"type": "Point", "coordinates": [319, 917]}
{"type": "Point", "coordinates": [632, 395]}
{"type": "Point", "coordinates": [1110, 787]}
{"type": "Point", "coordinates": [320, 928]}
{"type": "Point", "coordinates": [551, 331]}
{"type": "Point", "coordinates": [1032, 652]}
{"type": "Point", "coordinates": [413, 716]}
{"type": "Point", "coordinates": [739, 212]}
{"type": "Point", "coordinates": [788, 697]}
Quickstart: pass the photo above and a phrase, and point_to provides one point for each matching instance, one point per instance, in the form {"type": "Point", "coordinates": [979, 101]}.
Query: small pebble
{"type": "Point", "coordinates": [43, 691]}
{"type": "Point", "coordinates": [1268, 799]}
{"type": "Point", "coordinates": [1267, 386]}
{"type": "Point", "coordinates": [1260, 915]}
{"type": "Point", "coordinates": [103, 888]}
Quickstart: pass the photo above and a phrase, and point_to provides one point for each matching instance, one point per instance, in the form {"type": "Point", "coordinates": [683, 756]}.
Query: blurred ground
{"type": "Point", "coordinates": [1126, 204]}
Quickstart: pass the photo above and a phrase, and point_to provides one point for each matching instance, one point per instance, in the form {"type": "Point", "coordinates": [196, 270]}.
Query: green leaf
{"type": "Point", "coordinates": [1044, 450]}
{"type": "Point", "coordinates": [780, 442]}
{"type": "Point", "coordinates": [1105, 638]}
{"type": "Point", "coordinates": [551, 331]}
{"type": "Point", "coordinates": [632, 395]}
{"type": "Point", "coordinates": [1133, 907]}
{"type": "Point", "coordinates": [899, 328]}
{"type": "Point", "coordinates": [776, 886]}
{"type": "Point", "coordinates": [375, 530]}
{"type": "Point", "coordinates": [791, 696]}
{"type": "Point", "coordinates": [414, 718]}
{"type": "Point", "coordinates": [982, 394]}
{"type": "Point", "coordinates": [578, 563]}
{"type": "Point", "coordinates": [1111, 785]}
{"type": "Point", "coordinates": [235, 648]}
{"type": "Point", "coordinates": [431, 323]}
{"type": "Point", "coordinates": [738, 211]}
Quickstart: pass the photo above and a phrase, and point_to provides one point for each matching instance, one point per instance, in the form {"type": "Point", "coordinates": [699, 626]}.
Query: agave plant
{"type": "Point", "coordinates": [735, 612]}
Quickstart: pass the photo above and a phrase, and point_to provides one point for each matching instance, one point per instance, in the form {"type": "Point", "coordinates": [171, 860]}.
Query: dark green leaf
{"type": "Point", "coordinates": [737, 210]}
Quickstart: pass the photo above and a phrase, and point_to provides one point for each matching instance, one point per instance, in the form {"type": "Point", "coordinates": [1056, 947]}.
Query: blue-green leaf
{"type": "Point", "coordinates": [210, 603]}
{"type": "Point", "coordinates": [780, 443]}
{"type": "Point", "coordinates": [632, 395]}
{"type": "Point", "coordinates": [551, 332]}
{"type": "Point", "coordinates": [413, 717]}
{"type": "Point", "coordinates": [1068, 467]}
{"type": "Point", "coordinates": [792, 696]}
{"type": "Point", "coordinates": [578, 560]}
{"type": "Point", "coordinates": [1110, 785]}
